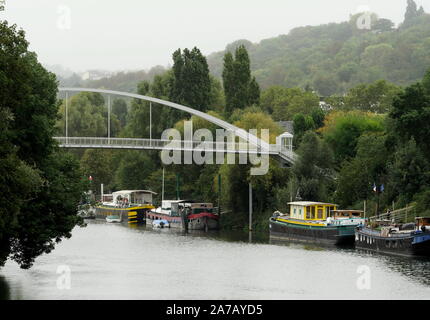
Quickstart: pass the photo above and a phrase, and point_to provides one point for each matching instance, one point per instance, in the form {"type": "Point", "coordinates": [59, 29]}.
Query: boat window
{"type": "Point", "coordinates": [308, 212]}
{"type": "Point", "coordinates": [320, 213]}
{"type": "Point", "coordinates": [313, 213]}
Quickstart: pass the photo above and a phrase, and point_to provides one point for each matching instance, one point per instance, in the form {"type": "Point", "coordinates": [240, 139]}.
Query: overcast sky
{"type": "Point", "coordinates": [139, 34]}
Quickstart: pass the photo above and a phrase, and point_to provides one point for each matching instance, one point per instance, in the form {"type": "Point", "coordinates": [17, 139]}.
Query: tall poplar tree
{"type": "Point", "coordinates": [191, 82]}
{"type": "Point", "coordinates": [241, 90]}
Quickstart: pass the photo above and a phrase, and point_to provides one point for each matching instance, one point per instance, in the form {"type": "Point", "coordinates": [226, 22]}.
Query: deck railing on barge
{"type": "Point", "coordinates": [397, 216]}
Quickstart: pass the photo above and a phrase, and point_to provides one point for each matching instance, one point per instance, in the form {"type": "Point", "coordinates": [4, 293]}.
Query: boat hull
{"type": "Point", "coordinates": [333, 235]}
{"type": "Point", "coordinates": [133, 215]}
{"type": "Point", "coordinates": [403, 245]}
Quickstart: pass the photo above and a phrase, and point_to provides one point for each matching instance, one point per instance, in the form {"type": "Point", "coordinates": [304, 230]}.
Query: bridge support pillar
{"type": "Point", "coordinates": [109, 107]}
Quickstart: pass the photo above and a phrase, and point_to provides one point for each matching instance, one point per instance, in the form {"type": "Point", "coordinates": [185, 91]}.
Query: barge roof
{"type": "Point", "coordinates": [310, 203]}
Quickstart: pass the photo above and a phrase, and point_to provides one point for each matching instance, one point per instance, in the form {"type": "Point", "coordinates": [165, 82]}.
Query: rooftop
{"type": "Point", "coordinates": [134, 191]}
{"type": "Point", "coordinates": [310, 203]}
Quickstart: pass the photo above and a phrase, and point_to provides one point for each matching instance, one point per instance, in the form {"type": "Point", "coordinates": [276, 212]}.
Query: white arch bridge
{"type": "Point", "coordinates": [281, 151]}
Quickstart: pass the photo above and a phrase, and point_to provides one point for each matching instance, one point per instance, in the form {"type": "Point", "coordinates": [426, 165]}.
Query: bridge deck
{"type": "Point", "coordinates": [179, 145]}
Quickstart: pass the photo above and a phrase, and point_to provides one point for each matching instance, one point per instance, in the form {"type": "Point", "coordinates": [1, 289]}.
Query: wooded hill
{"type": "Point", "coordinates": [335, 57]}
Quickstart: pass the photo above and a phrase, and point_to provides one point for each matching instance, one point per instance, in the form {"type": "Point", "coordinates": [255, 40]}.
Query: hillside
{"type": "Point", "coordinates": [334, 57]}
{"type": "Point", "coordinates": [121, 81]}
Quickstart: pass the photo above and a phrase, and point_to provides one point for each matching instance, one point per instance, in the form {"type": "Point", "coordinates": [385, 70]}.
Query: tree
{"type": "Point", "coordinates": [133, 171]}
{"type": "Point", "coordinates": [87, 117]}
{"type": "Point", "coordinates": [376, 97]}
{"type": "Point", "coordinates": [411, 13]}
{"type": "Point", "coordinates": [409, 172]}
{"type": "Point", "coordinates": [426, 83]}
{"type": "Point", "coordinates": [410, 117]}
{"type": "Point", "coordinates": [51, 181]}
{"type": "Point", "coordinates": [254, 92]}
{"type": "Point", "coordinates": [191, 83]}
{"type": "Point", "coordinates": [99, 164]}
{"type": "Point", "coordinates": [357, 175]}
{"type": "Point", "coordinates": [240, 89]}
{"type": "Point", "coordinates": [119, 109]}
{"type": "Point", "coordinates": [302, 124]}
{"type": "Point", "coordinates": [383, 25]}
{"type": "Point", "coordinates": [325, 84]}
{"type": "Point", "coordinates": [313, 169]}
{"type": "Point", "coordinates": [284, 103]}
{"type": "Point", "coordinates": [343, 129]}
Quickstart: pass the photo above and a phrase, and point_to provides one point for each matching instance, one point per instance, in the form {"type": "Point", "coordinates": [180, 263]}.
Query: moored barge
{"type": "Point", "coordinates": [316, 222]}
{"type": "Point", "coordinates": [395, 240]}
{"type": "Point", "coordinates": [185, 214]}
{"type": "Point", "coordinates": [130, 205]}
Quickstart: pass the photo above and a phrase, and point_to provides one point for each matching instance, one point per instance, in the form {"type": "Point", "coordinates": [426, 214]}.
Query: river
{"type": "Point", "coordinates": [108, 261]}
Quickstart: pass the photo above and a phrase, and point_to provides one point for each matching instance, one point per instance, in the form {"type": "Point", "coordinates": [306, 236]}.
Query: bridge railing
{"type": "Point", "coordinates": [179, 145]}
{"type": "Point", "coordinates": [159, 144]}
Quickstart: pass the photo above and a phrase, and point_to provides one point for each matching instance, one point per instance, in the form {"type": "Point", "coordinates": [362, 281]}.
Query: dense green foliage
{"type": "Point", "coordinates": [40, 186]}
{"type": "Point", "coordinates": [121, 81]}
{"type": "Point", "coordinates": [335, 57]}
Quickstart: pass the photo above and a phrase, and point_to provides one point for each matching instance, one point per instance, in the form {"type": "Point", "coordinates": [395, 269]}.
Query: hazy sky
{"type": "Point", "coordinates": [139, 34]}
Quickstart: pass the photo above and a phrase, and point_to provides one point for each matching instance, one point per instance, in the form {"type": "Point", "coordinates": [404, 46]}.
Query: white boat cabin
{"type": "Point", "coordinates": [166, 206]}
{"type": "Point", "coordinates": [307, 210]}
{"type": "Point", "coordinates": [191, 207]}
{"type": "Point", "coordinates": [132, 197]}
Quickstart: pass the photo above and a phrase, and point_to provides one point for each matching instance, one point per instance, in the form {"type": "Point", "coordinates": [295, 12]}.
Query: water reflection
{"type": "Point", "coordinates": [416, 269]}
{"type": "Point", "coordinates": [4, 289]}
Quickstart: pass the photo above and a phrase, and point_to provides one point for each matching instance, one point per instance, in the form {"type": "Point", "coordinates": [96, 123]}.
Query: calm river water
{"type": "Point", "coordinates": [117, 262]}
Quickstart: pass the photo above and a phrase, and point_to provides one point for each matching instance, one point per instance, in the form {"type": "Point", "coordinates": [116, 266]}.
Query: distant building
{"type": "Point", "coordinates": [95, 75]}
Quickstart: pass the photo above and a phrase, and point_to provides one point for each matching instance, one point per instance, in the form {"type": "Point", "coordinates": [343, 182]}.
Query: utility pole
{"type": "Point", "coordinates": [109, 119]}
{"type": "Point", "coordinates": [250, 207]}
{"type": "Point", "coordinates": [67, 128]}
{"type": "Point", "coordinates": [364, 208]}
{"type": "Point", "coordinates": [377, 202]}
{"type": "Point", "coordinates": [150, 124]}
{"type": "Point", "coordinates": [177, 186]}
{"type": "Point", "coordinates": [162, 192]}
{"type": "Point", "coordinates": [219, 194]}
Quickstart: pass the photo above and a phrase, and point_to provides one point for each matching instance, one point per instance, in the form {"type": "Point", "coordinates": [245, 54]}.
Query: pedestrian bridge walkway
{"type": "Point", "coordinates": [281, 151]}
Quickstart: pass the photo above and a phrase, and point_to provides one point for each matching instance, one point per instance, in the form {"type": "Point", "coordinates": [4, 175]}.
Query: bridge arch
{"type": "Point", "coordinates": [221, 123]}
{"type": "Point", "coordinates": [285, 156]}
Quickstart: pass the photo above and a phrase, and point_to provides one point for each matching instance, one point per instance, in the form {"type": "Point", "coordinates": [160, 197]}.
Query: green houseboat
{"type": "Point", "coordinates": [316, 222]}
